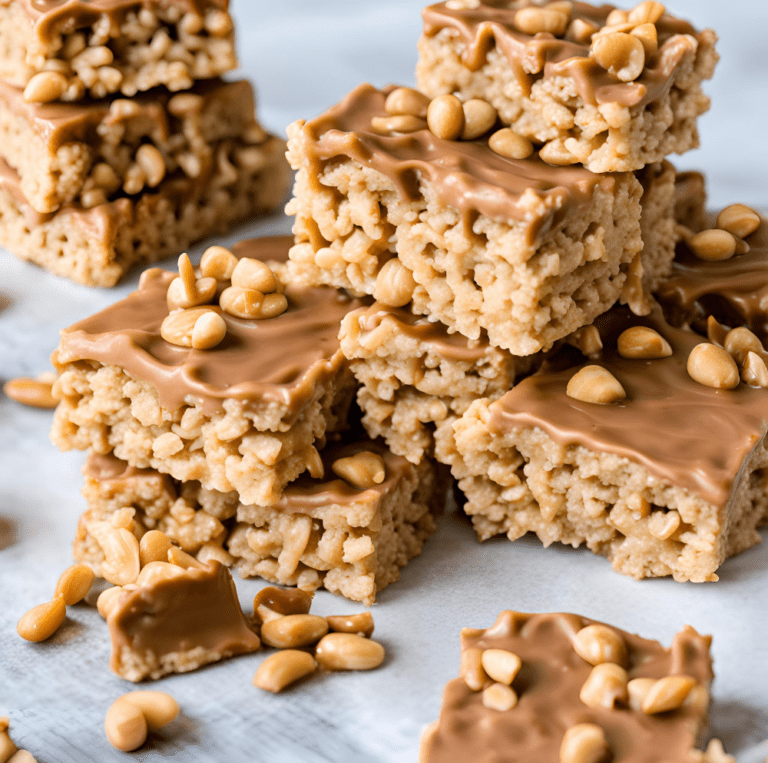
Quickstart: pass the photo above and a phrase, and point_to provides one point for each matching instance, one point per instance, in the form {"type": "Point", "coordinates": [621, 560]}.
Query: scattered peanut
{"type": "Point", "coordinates": [739, 342]}
{"type": "Point", "coordinates": [242, 303]}
{"type": "Point", "coordinates": [664, 524]}
{"type": "Point", "coordinates": [271, 603]}
{"type": "Point", "coordinates": [667, 694]}
{"type": "Point", "coordinates": [125, 725]}
{"type": "Point", "coordinates": [479, 117]}
{"type": "Point", "coordinates": [605, 686]}
{"type": "Point", "coordinates": [158, 708]}
{"type": "Point", "coordinates": [405, 101]}
{"type": "Point", "coordinates": [402, 123]}
{"type": "Point", "coordinates": [445, 117]}
{"type": "Point", "coordinates": [534, 20]}
{"type": "Point", "coordinates": [394, 284]}
{"type": "Point", "coordinates": [153, 547]}
{"type": "Point", "coordinates": [177, 327]}
{"type": "Point", "coordinates": [754, 371]}
{"type": "Point", "coordinates": [44, 87]}
{"type": "Point", "coordinates": [74, 583]}
{"type": "Point", "coordinates": [739, 220]}
{"type": "Point", "coordinates": [273, 305]}
{"type": "Point", "coordinates": [584, 743]}
{"type": "Point", "coordinates": [580, 31]}
{"type": "Point", "coordinates": [183, 559]}
{"type": "Point", "coordinates": [589, 341]}
{"type": "Point", "coordinates": [501, 665]}
{"type": "Point", "coordinates": [293, 631]}
{"type": "Point", "coordinates": [121, 554]}
{"type": "Point", "coordinates": [7, 748]}
{"type": "Point", "coordinates": [177, 296]}
{"type": "Point", "coordinates": [209, 331]}
{"type": "Point", "coordinates": [621, 54]}
{"type": "Point", "coordinates": [649, 37]}
{"type": "Point", "coordinates": [348, 651]}
{"type": "Point", "coordinates": [154, 572]}
{"type": "Point", "coordinates": [152, 162]}
{"type": "Point", "coordinates": [32, 392]}
{"type": "Point", "coordinates": [363, 470]}
{"type": "Point", "coordinates": [712, 366]}
{"type": "Point", "coordinates": [361, 624]}
{"type": "Point", "coordinates": [647, 12]}
{"type": "Point", "coordinates": [597, 644]}
{"type": "Point", "coordinates": [716, 333]}
{"type": "Point", "coordinates": [471, 669]}
{"type": "Point", "coordinates": [508, 143]}
{"type": "Point", "coordinates": [595, 384]}
{"type": "Point", "coordinates": [642, 342]}
{"type": "Point", "coordinates": [499, 697]}
{"type": "Point", "coordinates": [637, 690]}
{"type": "Point", "coordinates": [254, 274]}
{"type": "Point", "coordinates": [42, 621]}
{"type": "Point", "coordinates": [218, 262]}
{"type": "Point", "coordinates": [108, 599]}
{"type": "Point", "coordinates": [713, 245]}
{"type": "Point", "coordinates": [281, 670]}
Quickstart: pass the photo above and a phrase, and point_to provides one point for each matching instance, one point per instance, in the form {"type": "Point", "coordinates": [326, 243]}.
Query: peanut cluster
{"type": "Point", "coordinates": [493, 672]}
{"type": "Point", "coordinates": [246, 289]}
{"type": "Point", "coordinates": [734, 224]}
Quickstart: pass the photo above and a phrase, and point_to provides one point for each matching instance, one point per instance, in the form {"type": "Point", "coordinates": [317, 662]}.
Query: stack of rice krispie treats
{"type": "Point", "coordinates": [513, 218]}
{"type": "Point", "coordinates": [214, 403]}
{"type": "Point", "coordinates": [119, 142]}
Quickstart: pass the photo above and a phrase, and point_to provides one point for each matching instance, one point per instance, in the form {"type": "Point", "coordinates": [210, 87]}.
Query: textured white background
{"type": "Point", "coordinates": [304, 56]}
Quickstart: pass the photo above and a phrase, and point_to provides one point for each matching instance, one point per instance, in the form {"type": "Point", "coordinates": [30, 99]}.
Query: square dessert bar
{"type": "Point", "coordinates": [560, 688]}
{"type": "Point", "coordinates": [97, 245]}
{"type": "Point", "coordinates": [65, 51]}
{"type": "Point", "coordinates": [733, 290]}
{"type": "Point", "coordinates": [653, 452]}
{"type": "Point", "coordinates": [350, 537]}
{"type": "Point", "coordinates": [613, 90]}
{"type": "Point", "coordinates": [244, 415]}
{"type": "Point", "coordinates": [90, 152]}
{"type": "Point", "coordinates": [521, 250]}
{"type": "Point", "coordinates": [417, 378]}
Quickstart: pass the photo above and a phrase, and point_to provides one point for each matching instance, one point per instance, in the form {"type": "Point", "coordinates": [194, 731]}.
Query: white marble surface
{"type": "Point", "coordinates": [304, 56]}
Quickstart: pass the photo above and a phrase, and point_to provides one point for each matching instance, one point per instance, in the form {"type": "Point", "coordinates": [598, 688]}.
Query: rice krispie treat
{"type": "Point", "coordinates": [560, 688]}
{"type": "Point", "coordinates": [90, 152]}
{"type": "Point", "coordinates": [652, 453]}
{"type": "Point", "coordinates": [350, 529]}
{"type": "Point", "coordinates": [613, 90]}
{"type": "Point", "coordinates": [96, 246]}
{"type": "Point", "coordinates": [206, 377]}
{"type": "Point", "coordinates": [467, 235]}
{"type": "Point", "coordinates": [66, 51]}
{"type": "Point", "coordinates": [416, 377]}
{"type": "Point", "coordinates": [722, 272]}
{"type": "Point", "coordinates": [658, 225]}
{"type": "Point", "coordinates": [175, 619]}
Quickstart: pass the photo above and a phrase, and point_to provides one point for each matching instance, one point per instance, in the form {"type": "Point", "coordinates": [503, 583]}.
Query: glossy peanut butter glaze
{"type": "Point", "coordinates": [682, 432]}
{"type": "Point", "coordinates": [492, 25]}
{"type": "Point", "coordinates": [57, 124]}
{"type": "Point", "coordinates": [435, 335]}
{"type": "Point", "coordinates": [465, 175]}
{"type": "Point", "coordinates": [548, 687]}
{"type": "Point", "coordinates": [735, 291]}
{"type": "Point", "coordinates": [277, 360]}
{"type": "Point", "coordinates": [52, 17]}
{"type": "Point", "coordinates": [197, 610]}
{"type": "Point", "coordinates": [303, 494]}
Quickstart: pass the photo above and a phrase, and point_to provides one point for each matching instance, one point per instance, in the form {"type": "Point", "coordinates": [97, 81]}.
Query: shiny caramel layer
{"type": "Point", "coordinates": [491, 25]}
{"type": "Point", "coordinates": [52, 17]}
{"type": "Point", "coordinates": [548, 687]}
{"type": "Point", "coordinates": [466, 175]}
{"type": "Point", "coordinates": [735, 291]}
{"type": "Point", "coordinates": [305, 494]}
{"type": "Point", "coordinates": [57, 124]}
{"type": "Point", "coordinates": [682, 432]}
{"type": "Point", "coordinates": [197, 610]}
{"type": "Point", "coordinates": [434, 335]}
{"type": "Point", "coordinates": [279, 360]}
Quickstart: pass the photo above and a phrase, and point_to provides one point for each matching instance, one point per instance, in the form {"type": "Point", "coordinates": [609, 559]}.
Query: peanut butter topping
{"type": "Point", "coordinates": [435, 335]}
{"type": "Point", "coordinates": [57, 124]}
{"type": "Point", "coordinates": [466, 175]}
{"type": "Point", "coordinates": [734, 291]}
{"type": "Point", "coordinates": [492, 24]}
{"type": "Point", "coordinates": [53, 17]}
{"type": "Point", "coordinates": [681, 431]}
{"type": "Point", "coordinates": [279, 360]}
{"type": "Point", "coordinates": [198, 609]}
{"type": "Point", "coordinates": [548, 685]}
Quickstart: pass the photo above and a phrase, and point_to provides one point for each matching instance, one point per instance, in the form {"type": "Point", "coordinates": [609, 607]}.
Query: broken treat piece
{"type": "Point", "coordinates": [661, 472]}
{"type": "Point", "coordinates": [478, 241]}
{"type": "Point", "coordinates": [93, 152]}
{"type": "Point", "coordinates": [68, 51]}
{"type": "Point", "coordinates": [177, 623]}
{"type": "Point", "coordinates": [416, 377]}
{"type": "Point", "coordinates": [564, 710]}
{"type": "Point", "coordinates": [243, 416]}
{"type": "Point", "coordinates": [612, 90]}
{"type": "Point", "coordinates": [324, 532]}
{"type": "Point", "coordinates": [734, 290]}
